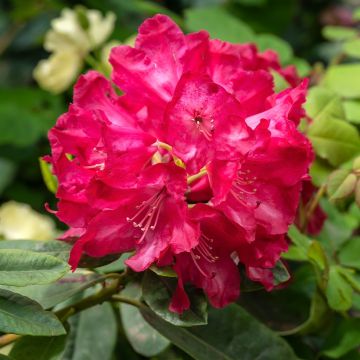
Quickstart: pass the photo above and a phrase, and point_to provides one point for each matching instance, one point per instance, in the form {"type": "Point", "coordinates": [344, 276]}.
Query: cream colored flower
{"type": "Point", "coordinates": [71, 37]}
{"type": "Point", "coordinates": [58, 72]}
{"type": "Point", "coordinates": [20, 221]}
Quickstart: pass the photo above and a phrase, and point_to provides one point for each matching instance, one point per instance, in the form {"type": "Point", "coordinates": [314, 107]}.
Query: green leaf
{"type": "Point", "coordinates": [157, 293]}
{"type": "Point", "coordinates": [299, 239]}
{"type": "Point", "coordinates": [166, 271]}
{"type": "Point", "coordinates": [344, 79]}
{"type": "Point", "coordinates": [344, 337]}
{"type": "Point", "coordinates": [323, 103]}
{"type": "Point", "coordinates": [49, 179]}
{"type": "Point", "coordinates": [36, 111]}
{"type": "Point", "coordinates": [52, 294]}
{"type": "Point", "coordinates": [95, 334]}
{"type": "Point", "coordinates": [212, 19]}
{"type": "Point", "coordinates": [143, 338]}
{"type": "Point", "coordinates": [21, 268]}
{"type": "Point", "coordinates": [352, 48]}
{"type": "Point", "coordinates": [334, 140]}
{"type": "Point", "coordinates": [352, 110]}
{"type": "Point", "coordinates": [335, 33]}
{"type": "Point", "coordinates": [319, 172]}
{"type": "Point", "coordinates": [317, 255]}
{"type": "Point", "coordinates": [319, 312]}
{"type": "Point", "coordinates": [341, 184]}
{"type": "Point", "coordinates": [338, 291]}
{"type": "Point", "coordinates": [7, 171]}
{"type": "Point", "coordinates": [4, 357]}
{"type": "Point", "coordinates": [38, 348]}
{"type": "Point", "coordinates": [59, 249]}
{"type": "Point", "coordinates": [20, 315]}
{"type": "Point", "coordinates": [349, 253]}
{"type": "Point", "coordinates": [270, 41]}
{"type": "Point", "coordinates": [231, 334]}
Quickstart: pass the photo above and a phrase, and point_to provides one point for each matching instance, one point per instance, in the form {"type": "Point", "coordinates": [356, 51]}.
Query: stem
{"type": "Point", "coordinates": [105, 294]}
{"type": "Point", "coordinates": [199, 175]}
{"type": "Point", "coordinates": [8, 339]}
{"type": "Point", "coordinates": [313, 204]}
{"type": "Point", "coordinates": [133, 302]}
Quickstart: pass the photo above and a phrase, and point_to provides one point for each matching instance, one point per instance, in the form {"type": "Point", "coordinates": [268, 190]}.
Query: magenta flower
{"type": "Point", "coordinates": [198, 165]}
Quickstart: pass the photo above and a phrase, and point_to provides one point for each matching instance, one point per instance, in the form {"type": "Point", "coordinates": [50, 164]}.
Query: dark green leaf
{"type": "Point", "coordinates": [143, 338]}
{"type": "Point", "coordinates": [96, 334]}
{"type": "Point", "coordinates": [38, 348]}
{"type": "Point", "coordinates": [21, 268]}
{"type": "Point", "coordinates": [20, 315]}
{"type": "Point", "coordinates": [280, 273]}
{"type": "Point", "coordinates": [7, 171]}
{"type": "Point", "coordinates": [157, 292]}
{"type": "Point", "coordinates": [230, 334]}
{"type": "Point", "coordinates": [344, 337]}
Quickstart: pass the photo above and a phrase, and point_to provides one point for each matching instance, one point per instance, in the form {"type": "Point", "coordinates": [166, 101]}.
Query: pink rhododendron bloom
{"type": "Point", "coordinates": [198, 165]}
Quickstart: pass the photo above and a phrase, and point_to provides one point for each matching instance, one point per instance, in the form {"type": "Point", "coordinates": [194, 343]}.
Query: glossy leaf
{"type": "Point", "coordinates": [20, 315]}
{"type": "Point", "coordinates": [231, 334]}
{"type": "Point", "coordinates": [143, 338]}
{"type": "Point", "coordinates": [349, 253]}
{"type": "Point", "coordinates": [157, 292]}
{"type": "Point", "coordinates": [21, 268]}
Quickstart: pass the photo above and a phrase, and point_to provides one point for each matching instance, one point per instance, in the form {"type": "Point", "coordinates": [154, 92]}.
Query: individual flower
{"type": "Point", "coordinates": [71, 37]}
{"type": "Point", "coordinates": [197, 165]}
{"type": "Point", "coordinates": [20, 221]}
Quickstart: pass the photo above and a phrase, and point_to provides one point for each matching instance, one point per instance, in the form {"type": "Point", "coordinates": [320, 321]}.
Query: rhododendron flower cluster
{"type": "Point", "coordinates": [197, 165]}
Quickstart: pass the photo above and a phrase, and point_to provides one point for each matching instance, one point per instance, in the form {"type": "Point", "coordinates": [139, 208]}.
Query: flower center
{"type": "Point", "coordinates": [148, 213]}
{"type": "Point", "coordinates": [204, 251]}
{"type": "Point", "coordinates": [205, 126]}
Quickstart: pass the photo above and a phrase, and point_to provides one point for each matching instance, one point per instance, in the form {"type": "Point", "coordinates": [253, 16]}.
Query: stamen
{"type": "Point", "coordinates": [147, 216]}
{"type": "Point", "coordinates": [241, 186]}
{"type": "Point", "coordinates": [203, 251]}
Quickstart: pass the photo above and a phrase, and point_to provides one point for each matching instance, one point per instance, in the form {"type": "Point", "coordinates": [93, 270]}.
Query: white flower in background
{"type": "Point", "coordinates": [71, 38]}
{"type": "Point", "coordinates": [20, 221]}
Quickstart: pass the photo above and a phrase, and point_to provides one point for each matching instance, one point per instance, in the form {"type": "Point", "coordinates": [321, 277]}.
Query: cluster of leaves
{"type": "Point", "coordinates": [104, 311]}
